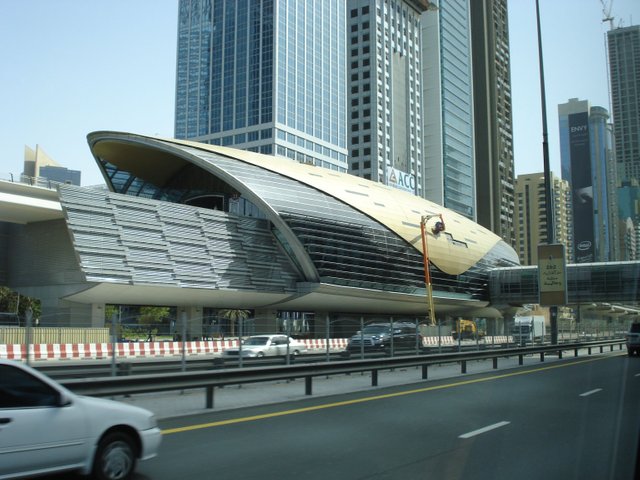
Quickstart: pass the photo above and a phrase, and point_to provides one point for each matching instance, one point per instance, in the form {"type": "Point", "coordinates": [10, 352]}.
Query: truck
{"type": "Point", "coordinates": [528, 329]}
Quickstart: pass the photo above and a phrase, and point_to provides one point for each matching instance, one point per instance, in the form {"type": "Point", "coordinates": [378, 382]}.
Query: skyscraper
{"type": "Point", "coordinates": [267, 76]}
{"type": "Point", "coordinates": [385, 114]}
{"type": "Point", "coordinates": [493, 125]}
{"type": "Point", "coordinates": [628, 196]}
{"type": "Point", "coordinates": [531, 213]}
{"type": "Point", "coordinates": [448, 104]}
{"type": "Point", "coordinates": [587, 163]}
{"type": "Point", "coordinates": [624, 65]}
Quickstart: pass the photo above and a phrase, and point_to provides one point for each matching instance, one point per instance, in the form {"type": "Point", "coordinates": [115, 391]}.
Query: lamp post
{"type": "Point", "coordinates": [439, 227]}
{"type": "Point", "coordinates": [548, 200]}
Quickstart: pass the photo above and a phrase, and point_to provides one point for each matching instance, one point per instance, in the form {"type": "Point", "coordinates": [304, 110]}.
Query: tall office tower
{"type": "Point", "coordinates": [588, 164]}
{"type": "Point", "coordinates": [385, 114]}
{"type": "Point", "coordinates": [267, 76]}
{"type": "Point", "coordinates": [628, 195]}
{"type": "Point", "coordinates": [448, 107]}
{"type": "Point", "coordinates": [624, 66]}
{"type": "Point", "coordinates": [531, 213]}
{"type": "Point", "coordinates": [493, 125]}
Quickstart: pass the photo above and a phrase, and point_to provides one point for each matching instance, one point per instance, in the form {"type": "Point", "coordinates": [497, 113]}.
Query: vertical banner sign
{"type": "Point", "coordinates": [552, 275]}
{"type": "Point", "coordinates": [581, 187]}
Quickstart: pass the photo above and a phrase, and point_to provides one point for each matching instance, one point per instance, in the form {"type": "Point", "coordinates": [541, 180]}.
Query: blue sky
{"type": "Point", "coordinates": [70, 67]}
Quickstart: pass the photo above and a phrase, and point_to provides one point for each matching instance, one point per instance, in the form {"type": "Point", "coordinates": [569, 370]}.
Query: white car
{"type": "Point", "coordinates": [268, 346]}
{"type": "Point", "coordinates": [45, 428]}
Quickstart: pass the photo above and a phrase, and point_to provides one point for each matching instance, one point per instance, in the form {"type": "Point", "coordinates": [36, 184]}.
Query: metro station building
{"type": "Point", "coordinates": [204, 227]}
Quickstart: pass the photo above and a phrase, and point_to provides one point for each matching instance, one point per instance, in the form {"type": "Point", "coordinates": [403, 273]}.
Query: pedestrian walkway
{"type": "Point", "coordinates": [172, 404]}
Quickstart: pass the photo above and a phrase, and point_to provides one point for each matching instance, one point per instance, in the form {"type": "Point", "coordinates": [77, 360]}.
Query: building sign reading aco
{"type": "Point", "coordinates": [401, 180]}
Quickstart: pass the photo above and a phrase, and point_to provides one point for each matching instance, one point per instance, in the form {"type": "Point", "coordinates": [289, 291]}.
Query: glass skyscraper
{"type": "Point", "coordinates": [587, 163]}
{"type": "Point", "coordinates": [264, 75]}
{"type": "Point", "coordinates": [448, 97]}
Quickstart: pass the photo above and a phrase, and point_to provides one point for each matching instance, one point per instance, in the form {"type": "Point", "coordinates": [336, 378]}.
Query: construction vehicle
{"type": "Point", "coordinates": [466, 330]}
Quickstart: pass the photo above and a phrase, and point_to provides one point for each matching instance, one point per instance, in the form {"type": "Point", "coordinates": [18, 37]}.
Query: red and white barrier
{"type": "Point", "coordinates": [94, 351]}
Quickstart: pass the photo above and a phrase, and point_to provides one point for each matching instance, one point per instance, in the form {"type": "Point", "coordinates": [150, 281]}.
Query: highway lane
{"type": "Point", "coordinates": [578, 418]}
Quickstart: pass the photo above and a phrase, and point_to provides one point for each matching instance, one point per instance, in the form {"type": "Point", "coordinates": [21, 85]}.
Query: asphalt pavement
{"type": "Point", "coordinates": [173, 404]}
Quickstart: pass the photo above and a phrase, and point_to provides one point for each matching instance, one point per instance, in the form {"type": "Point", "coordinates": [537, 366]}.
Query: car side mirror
{"type": "Point", "coordinates": [63, 400]}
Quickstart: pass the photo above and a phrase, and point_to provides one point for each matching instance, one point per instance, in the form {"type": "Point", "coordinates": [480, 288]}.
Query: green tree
{"type": "Point", "coordinates": [234, 315]}
{"type": "Point", "coordinates": [13, 302]}
{"type": "Point", "coordinates": [109, 312]}
{"type": "Point", "coordinates": [153, 315]}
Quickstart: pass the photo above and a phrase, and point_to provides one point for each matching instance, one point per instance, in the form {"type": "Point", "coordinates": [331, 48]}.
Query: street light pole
{"type": "Point", "coordinates": [553, 310]}
{"type": "Point", "coordinates": [425, 259]}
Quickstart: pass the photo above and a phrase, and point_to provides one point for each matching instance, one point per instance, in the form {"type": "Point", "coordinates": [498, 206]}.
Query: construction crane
{"type": "Point", "coordinates": [606, 13]}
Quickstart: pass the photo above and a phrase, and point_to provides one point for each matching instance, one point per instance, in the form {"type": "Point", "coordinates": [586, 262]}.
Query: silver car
{"type": "Point", "coordinates": [45, 428]}
{"type": "Point", "coordinates": [268, 346]}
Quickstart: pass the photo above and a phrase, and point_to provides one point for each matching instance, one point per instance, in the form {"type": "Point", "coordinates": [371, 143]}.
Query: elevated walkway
{"type": "Point", "coordinates": [610, 282]}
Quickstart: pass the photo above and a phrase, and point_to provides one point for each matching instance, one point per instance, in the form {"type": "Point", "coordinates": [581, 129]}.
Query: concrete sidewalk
{"type": "Point", "coordinates": [172, 404]}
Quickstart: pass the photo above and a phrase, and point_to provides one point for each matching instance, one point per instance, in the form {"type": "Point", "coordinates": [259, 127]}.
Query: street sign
{"type": "Point", "coordinates": [552, 275]}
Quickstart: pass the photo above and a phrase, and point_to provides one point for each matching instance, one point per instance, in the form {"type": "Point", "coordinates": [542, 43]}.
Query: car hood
{"type": "Point", "coordinates": [371, 335]}
{"type": "Point", "coordinates": [101, 410]}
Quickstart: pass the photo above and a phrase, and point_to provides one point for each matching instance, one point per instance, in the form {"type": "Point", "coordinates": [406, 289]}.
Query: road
{"type": "Point", "coordinates": [573, 419]}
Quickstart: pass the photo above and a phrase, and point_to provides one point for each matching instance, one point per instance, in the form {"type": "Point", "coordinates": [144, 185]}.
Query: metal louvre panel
{"type": "Point", "coordinates": [285, 195]}
{"type": "Point", "coordinates": [355, 252]}
{"type": "Point", "coordinates": [346, 246]}
{"type": "Point", "coordinates": [141, 241]}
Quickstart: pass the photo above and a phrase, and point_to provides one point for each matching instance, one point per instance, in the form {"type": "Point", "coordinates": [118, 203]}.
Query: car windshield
{"type": "Point", "coordinates": [373, 329]}
{"type": "Point", "coordinates": [256, 341]}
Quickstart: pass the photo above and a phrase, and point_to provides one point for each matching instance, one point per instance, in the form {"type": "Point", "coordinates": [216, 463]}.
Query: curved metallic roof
{"type": "Point", "coordinates": [454, 251]}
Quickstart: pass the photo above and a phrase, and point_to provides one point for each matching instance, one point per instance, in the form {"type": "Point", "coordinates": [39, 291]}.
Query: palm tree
{"type": "Point", "coordinates": [234, 315]}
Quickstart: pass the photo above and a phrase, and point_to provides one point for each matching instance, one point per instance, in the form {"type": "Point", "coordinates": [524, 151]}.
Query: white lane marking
{"type": "Point", "coordinates": [590, 392]}
{"type": "Point", "coordinates": [483, 430]}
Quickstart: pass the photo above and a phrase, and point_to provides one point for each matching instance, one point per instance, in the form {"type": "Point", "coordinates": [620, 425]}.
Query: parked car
{"type": "Point", "coordinates": [45, 428]}
{"type": "Point", "coordinates": [378, 337]}
{"type": "Point", "coordinates": [633, 339]}
{"type": "Point", "coordinates": [268, 346]}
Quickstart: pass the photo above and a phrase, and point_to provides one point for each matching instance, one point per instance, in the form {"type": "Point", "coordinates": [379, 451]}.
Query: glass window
{"type": "Point", "coordinates": [19, 389]}
{"type": "Point", "coordinates": [252, 136]}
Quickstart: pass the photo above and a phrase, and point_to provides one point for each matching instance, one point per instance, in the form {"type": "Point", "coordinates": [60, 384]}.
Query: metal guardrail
{"type": "Point", "coordinates": [148, 383]}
